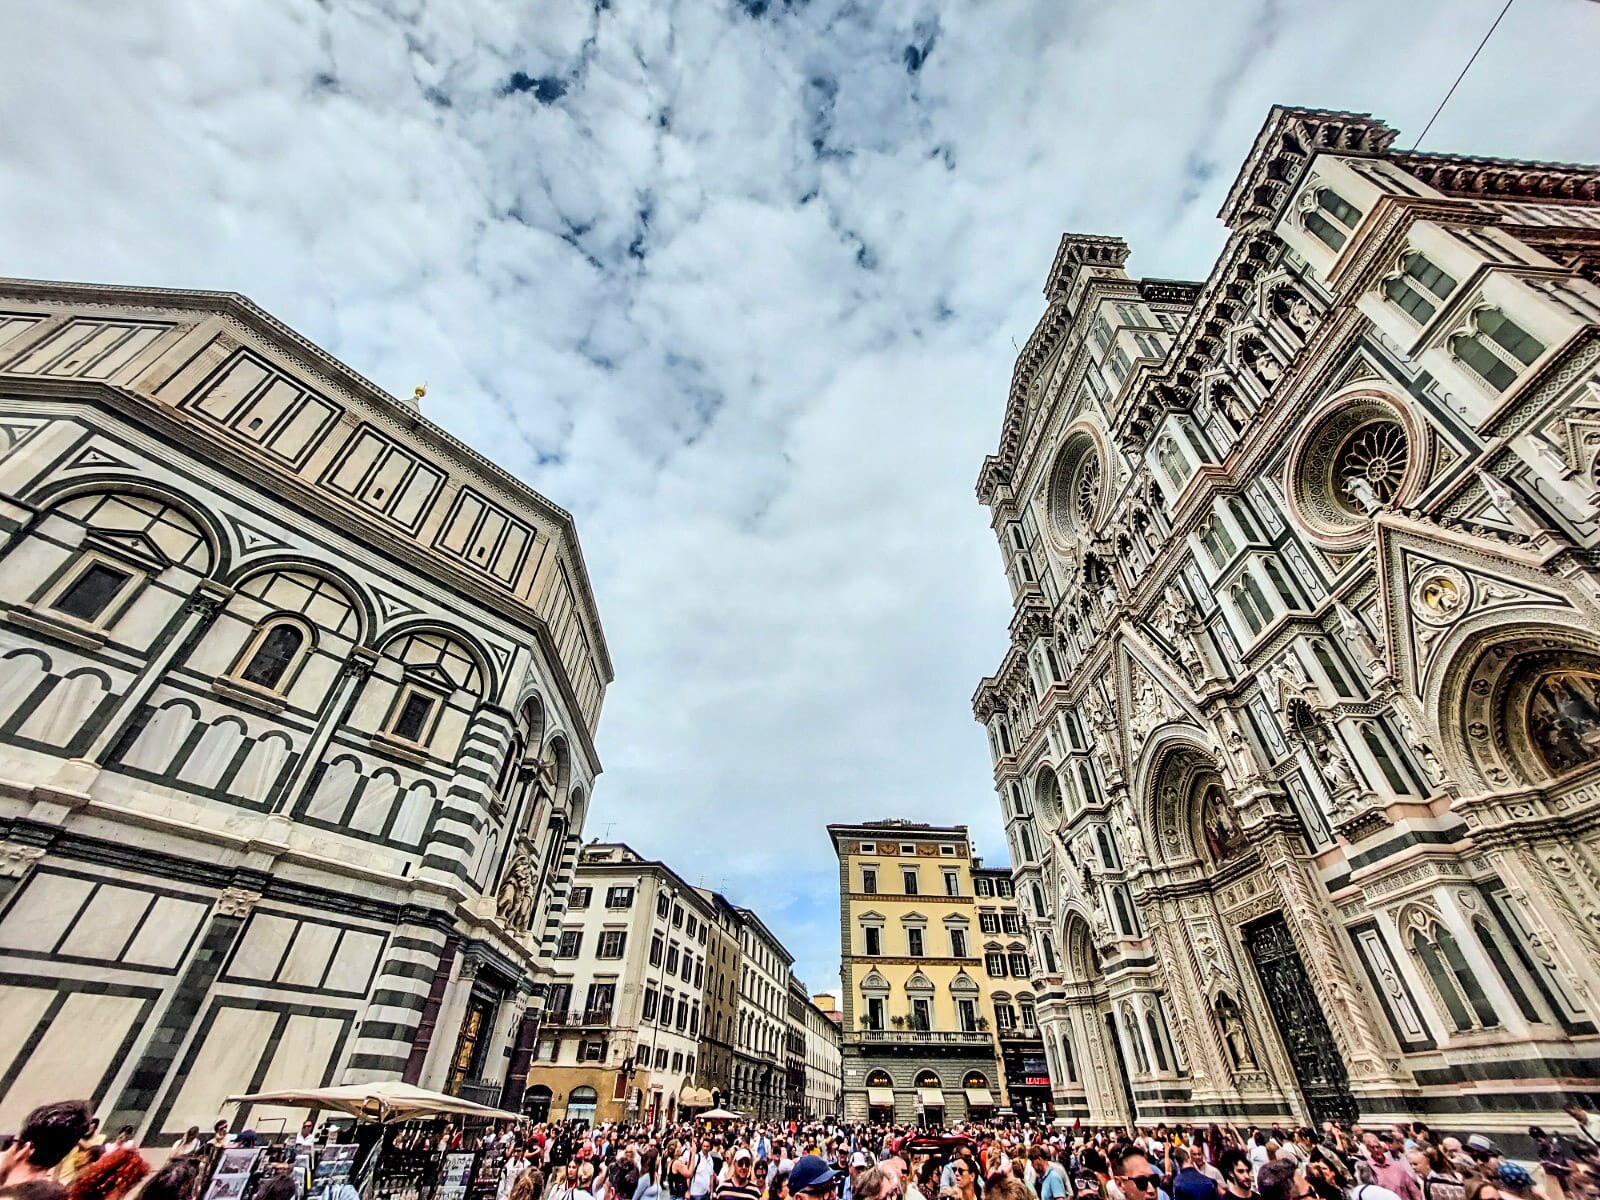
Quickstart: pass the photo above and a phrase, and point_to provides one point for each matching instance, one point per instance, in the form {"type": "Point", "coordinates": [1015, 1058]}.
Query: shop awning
{"type": "Point", "coordinates": [979, 1098]}
{"type": "Point", "coordinates": [931, 1097]}
{"type": "Point", "coordinates": [880, 1097]}
{"type": "Point", "coordinates": [693, 1097]}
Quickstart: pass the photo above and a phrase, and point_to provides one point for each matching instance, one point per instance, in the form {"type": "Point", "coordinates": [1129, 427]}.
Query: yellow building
{"type": "Point", "coordinates": [919, 1044]}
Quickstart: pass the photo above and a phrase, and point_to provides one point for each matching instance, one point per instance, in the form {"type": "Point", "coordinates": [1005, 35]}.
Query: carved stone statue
{"type": "Point", "coordinates": [1134, 842]}
{"type": "Point", "coordinates": [1181, 626]}
{"type": "Point", "coordinates": [1339, 774]}
{"type": "Point", "coordinates": [1301, 315]}
{"type": "Point", "coordinates": [1360, 642]}
{"type": "Point", "coordinates": [1233, 1035]}
{"type": "Point", "coordinates": [1431, 765]}
{"type": "Point", "coordinates": [514, 904]}
{"type": "Point", "coordinates": [1360, 490]}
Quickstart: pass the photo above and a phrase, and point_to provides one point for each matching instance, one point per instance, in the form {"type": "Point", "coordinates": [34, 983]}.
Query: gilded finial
{"type": "Point", "coordinates": [418, 392]}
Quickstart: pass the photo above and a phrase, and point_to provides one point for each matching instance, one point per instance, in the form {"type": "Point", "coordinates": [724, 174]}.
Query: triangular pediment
{"type": "Point", "coordinates": [1432, 580]}
{"type": "Point", "coordinates": [131, 545]}
{"type": "Point", "coordinates": [1152, 695]}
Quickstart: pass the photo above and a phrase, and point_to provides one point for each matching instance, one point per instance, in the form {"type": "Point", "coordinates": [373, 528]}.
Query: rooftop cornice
{"type": "Point", "coordinates": [1286, 143]}
{"type": "Point", "coordinates": [1502, 178]}
{"type": "Point", "coordinates": [1079, 250]}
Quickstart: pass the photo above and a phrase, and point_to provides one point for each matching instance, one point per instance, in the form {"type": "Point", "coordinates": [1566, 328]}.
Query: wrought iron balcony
{"type": "Point", "coordinates": [924, 1037]}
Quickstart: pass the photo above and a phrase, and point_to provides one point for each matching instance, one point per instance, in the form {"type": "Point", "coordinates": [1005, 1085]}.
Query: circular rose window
{"type": "Point", "coordinates": [1354, 462]}
{"type": "Point", "coordinates": [1075, 486]}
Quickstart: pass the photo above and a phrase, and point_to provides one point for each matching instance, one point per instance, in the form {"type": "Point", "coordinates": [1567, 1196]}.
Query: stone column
{"type": "Point", "coordinates": [448, 1029]}
{"type": "Point", "coordinates": [171, 1029]}
{"type": "Point", "coordinates": [391, 1023]}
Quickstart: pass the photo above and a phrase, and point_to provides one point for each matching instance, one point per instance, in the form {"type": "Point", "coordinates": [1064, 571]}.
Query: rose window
{"type": "Point", "coordinates": [1370, 465]}
{"type": "Point", "coordinates": [1086, 491]}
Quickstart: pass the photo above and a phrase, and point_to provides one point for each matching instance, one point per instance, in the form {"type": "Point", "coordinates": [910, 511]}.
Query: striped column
{"type": "Point", "coordinates": [394, 1016]}
{"type": "Point", "coordinates": [560, 885]}
{"type": "Point", "coordinates": [463, 818]}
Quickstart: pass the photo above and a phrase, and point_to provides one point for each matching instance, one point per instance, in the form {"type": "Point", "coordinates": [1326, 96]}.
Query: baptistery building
{"type": "Point", "coordinates": [1298, 730]}
{"type": "Point", "coordinates": [297, 705]}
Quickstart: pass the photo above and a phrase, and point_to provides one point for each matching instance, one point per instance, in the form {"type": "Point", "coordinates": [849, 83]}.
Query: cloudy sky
{"type": "Point", "coordinates": [736, 281]}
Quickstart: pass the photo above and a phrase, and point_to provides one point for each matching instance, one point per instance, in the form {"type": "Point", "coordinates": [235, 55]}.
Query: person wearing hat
{"type": "Point", "coordinates": [860, 1161]}
{"type": "Point", "coordinates": [740, 1186]}
{"type": "Point", "coordinates": [813, 1178]}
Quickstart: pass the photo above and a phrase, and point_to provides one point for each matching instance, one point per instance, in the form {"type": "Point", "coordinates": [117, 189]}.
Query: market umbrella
{"type": "Point", "coordinates": [718, 1114]}
{"type": "Point", "coordinates": [385, 1102]}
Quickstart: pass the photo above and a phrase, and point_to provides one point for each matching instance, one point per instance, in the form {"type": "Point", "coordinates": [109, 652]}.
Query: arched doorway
{"type": "Point", "coordinates": [930, 1097]}
{"type": "Point", "coordinates": [582, 1103]}
{"type": "Point", "coordinates": [880, 1096]}
{"type": "Point", "coordinates": [536, 1103]}
{"type": "Point", "coordinates": [1089, 1024]}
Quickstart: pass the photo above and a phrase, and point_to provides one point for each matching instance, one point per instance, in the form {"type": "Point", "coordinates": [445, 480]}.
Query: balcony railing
{"type": "Point", "coordinates": [578, 1017]}
{"type": "Point", "coordinates": [924, 1037]}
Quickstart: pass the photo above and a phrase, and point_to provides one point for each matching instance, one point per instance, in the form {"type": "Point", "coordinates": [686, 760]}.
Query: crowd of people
{"type": "Point", "coordinates": [60, 1154]}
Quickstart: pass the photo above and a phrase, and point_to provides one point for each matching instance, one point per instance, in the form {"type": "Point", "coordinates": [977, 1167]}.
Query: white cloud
{"type": "Point", "coordinates": [738, 290]}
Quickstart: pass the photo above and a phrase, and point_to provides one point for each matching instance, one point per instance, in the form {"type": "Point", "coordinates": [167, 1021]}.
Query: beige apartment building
{"type": "Point", "coordinates": [918, 1041]}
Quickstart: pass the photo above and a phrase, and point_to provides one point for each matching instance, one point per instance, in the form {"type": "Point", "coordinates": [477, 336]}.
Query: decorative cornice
{"type": "Point", "coordinates": [1503, 178]}
{"type": "Point", "coordinates": [1287, 142]}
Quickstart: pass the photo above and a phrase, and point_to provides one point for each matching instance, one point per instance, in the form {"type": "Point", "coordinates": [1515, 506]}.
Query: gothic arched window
{"type": "Point", "coordinates": [1418, 286]}
{"type": "Point", "coordinates": [278, 646]}
{"type": "Point", "coordinates": [1497, 348]}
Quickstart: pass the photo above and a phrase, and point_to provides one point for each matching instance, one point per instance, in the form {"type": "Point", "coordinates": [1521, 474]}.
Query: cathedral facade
{"type": "Point", "coordinates": [297, 702]}
{"type": "Point", "coordinates": [1297, 734]}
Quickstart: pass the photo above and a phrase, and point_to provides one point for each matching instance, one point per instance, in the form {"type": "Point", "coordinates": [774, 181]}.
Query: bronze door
{"type": "Point", "coordinates": [1318, 1065]}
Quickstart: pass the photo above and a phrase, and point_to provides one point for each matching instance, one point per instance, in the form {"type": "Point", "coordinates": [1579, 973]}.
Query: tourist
{"type": "Point", "coordinates": [88, 1148]}
{"type": "Point", "coordinates": [1280, 1179]}
{"type": "Point", "coordinates": [179, 1179]}
{"type": "Point", "coordinates": [648, 1185]}
{"type": "Point", "coordinates": [964, 1181]}
{"type": "Point", "coordinates": [1238, 1174]}
{"type": "Point", "coordinates": [778, 1185]}
{"type": "Point", "coordinates": [48, 1134]}
{"type": "Point", "coordinates": [740, 1185]}
{"type": "Point", "coordinates": [1188, 1181]}
{"type": "Point", "coordinates": [813, 1178]}
{"type": "Point", "coordinates": [1049, 1180]}
{"type": "Point", "coordinates": [1135, 1178]}
{"type": "Point", "coordinates": [112, 1175]}
{"type": "Point", "coordinates": [1390, 1172]}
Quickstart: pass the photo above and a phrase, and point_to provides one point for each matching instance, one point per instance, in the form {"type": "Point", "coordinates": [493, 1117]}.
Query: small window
{"type": "Point", "coordinates": [869, 880]}
{"type": "Point", "coordinates": [914, 942]}
{"type": "Point", "coordinates": [1419, 284]}
{"type": "Point", "coordinates": [952, 883]}
{"type": "Point", "coordinates": [948, 851]}
{"type": "Point", "coordinates": [994, 963]}
{"type": "Point", "coordinates": [657, 949]}
{"type": "Point", "coordinates": [907, 848]}
{"type": "Point", "coordinates": [958, 943]}
{"type": "Point", "coordinates": [612, 942]}
{"type": "Point", "coordinates": [578, 899]}
{"type": "Point", "coordinates": [88, 596]}
{"type": "Point", "coordinates": [1018, 962]}
{"type": "Point", "coordinates": [1497, 348]}
{"type": "Point", "coordinates": [275, 652]}
{"type": "Point", "coordinates": [619, 897]}
{"type": "Point", "coordinates": [650, 1002]}
{"type": "Point", "coordinates": [909, 878]}
{"type": "Point", "coordinates": [412, 717]}
{"type": "Point", "coordinates": [874, 940]}
{"type": "Point", "coordinates": [569, 945]}
{"type": "Point", "coordinates": [989, 922]}
{"type": "Point", "coordinates": [663, 904]}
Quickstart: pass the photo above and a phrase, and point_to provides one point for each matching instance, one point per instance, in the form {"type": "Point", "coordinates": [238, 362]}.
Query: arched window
{"type": "Point", "coordinates": [1124, 917]}
{"type": "Point", "coordinates": [1173, 461]}
{"type": "Point", "coordinates": [1068, 1062]}
{"type": "Point", "coordinates": [1247, 610]}
{"type": "Point", "coordinates": [1156, 1047]}
{"type": "Point", "coordinates": [1257, 595]}
{"type": "Point", "coordinates": [1418, 285]}
{"type": "Point", "coordinates": [1380, 754]}
{"type": "Point", "coordinates": [1279, 583]}
{"type": "Point", "coordinates": [1330, 204]}
{"type": "Point", "coordinates": [1330, 668]}
{"type": "Point", "coordinates": [1107, 855]}
{"type": "Point", "coordinates": [1130, 1030]}
{"type": "Point", "coordinates": [1036, 894]}
{"type": "Point", "coordinates": [1453, 982]}
{"type": "Point", "coordinates": [1019, 805]}
{"type": "Point", "coordinates": [1026, 836]}
{"type": "Point", "coordinates": [270, 654]}
{"type": "Point", "coordinates": [1241, 514]}
{"type": "Point", "coordinates": [1502, 965]}
{"type": "Point", "coordinates": [1086, 781]}
{"type": "Point", "coordinates": [1497, 348]}
{"type": "Point", "coordinates": [1218, 542]}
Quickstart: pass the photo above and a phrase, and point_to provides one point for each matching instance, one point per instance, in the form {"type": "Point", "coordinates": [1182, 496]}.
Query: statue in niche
{"type": "Point", "coordinates": [1564, 719]}
{"type": "Point", "coordinates": [1337, 772]}
{"type": "Point", "coordinates": [1181, 625]}
{"type": "Point", "coordinates": [1424, 752]}
{"type": "Point", "coordinates": [514, 904]}
{"type": "Point", "coordinates": [1301, 315]}
{"type": "Point", "coordinates": [1362, 494]}
{"type": "Point", "coordinates": [1231, 1026]}
{"type": "Point", "coordinates": [1224, 837]}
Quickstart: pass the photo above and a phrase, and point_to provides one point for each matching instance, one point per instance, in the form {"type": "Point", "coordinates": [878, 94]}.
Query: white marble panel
{"type": "Point", "coordinates": [23, 1007]}
{"type": "Point", "coordinates": [308, 959]}
{"type": "Point", "coordinates": [224, 1067]}
{"type": "Point", "coordinates": [353, 966]}
{"type": "Point", "coordinates": [41, 914]}
{"type": "Point", "coordinates": [166, 933]}
{"type": "Point", "coordinates": [107, 923]}
{"type": "Point", "coordinates": [74, 1054]}
{"type": "Point", "coordinates": [302, 1060]}
{"type": "Point", "coordinates": [262, 947]}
